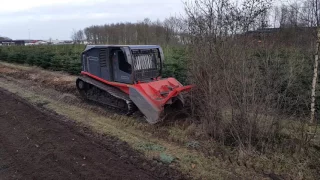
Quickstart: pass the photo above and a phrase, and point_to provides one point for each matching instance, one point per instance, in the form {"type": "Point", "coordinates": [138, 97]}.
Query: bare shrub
{"type": "Point", "coordinates": [242, 89]}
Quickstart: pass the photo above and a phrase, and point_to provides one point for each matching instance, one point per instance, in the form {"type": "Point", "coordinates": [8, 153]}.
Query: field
{"type": "Point", "coordinates": [179, 145]}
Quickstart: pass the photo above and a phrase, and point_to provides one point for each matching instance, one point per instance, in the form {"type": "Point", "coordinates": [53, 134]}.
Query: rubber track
{"type": "Point", "coordinates": [112, 91]}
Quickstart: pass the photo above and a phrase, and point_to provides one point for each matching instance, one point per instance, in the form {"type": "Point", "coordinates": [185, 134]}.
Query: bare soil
{"type": "Point", "coordinates": [36, 144]}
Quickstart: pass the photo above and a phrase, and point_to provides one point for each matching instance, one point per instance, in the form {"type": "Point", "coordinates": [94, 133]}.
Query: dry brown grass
{"type": "Point", "coordinates": [57, 80]}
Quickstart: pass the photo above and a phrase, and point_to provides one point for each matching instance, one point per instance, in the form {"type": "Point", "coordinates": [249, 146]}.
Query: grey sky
{"type": "Point", "coordinates": [57, 18]}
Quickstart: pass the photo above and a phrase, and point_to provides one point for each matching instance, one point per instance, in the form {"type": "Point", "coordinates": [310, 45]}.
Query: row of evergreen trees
{"type": "Point", "coordinates": [58, 58]}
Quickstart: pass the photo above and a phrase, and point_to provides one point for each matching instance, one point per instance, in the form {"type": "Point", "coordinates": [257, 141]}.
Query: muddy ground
{"type": "Point", "coordinates": [36, 144]}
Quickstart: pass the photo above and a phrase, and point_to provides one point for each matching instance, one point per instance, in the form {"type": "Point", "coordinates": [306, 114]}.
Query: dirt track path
{"type": "Point", "coordinates": [36, 145]}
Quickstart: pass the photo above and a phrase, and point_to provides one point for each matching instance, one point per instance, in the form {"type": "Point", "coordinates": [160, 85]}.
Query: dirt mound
{"type": "Point", "coordinates": [40, 145]}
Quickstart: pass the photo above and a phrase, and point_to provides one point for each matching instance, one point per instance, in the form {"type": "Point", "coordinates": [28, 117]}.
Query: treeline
{"type": "Point", "coordinates": [57, 58]}
{"type": "Point", "coordinates": [173, 30]}
{"type": "Point", "coordinates": [145, 32]}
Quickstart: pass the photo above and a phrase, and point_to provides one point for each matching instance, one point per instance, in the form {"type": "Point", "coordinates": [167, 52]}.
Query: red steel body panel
{"type": "Point", "coordinates": [159, 92]}
{"type": "Point", "coordinates": [123, 87]}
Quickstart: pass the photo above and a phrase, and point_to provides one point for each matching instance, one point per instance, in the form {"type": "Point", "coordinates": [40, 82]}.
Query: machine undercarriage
{"type": "Point", "coordinates": [105, 95]}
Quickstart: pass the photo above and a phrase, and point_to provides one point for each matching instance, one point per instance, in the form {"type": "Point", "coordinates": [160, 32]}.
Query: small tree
{"type": "Point", "coordinates": [77, 36]}
{"type": "Point", "coordinates": [315, 9]}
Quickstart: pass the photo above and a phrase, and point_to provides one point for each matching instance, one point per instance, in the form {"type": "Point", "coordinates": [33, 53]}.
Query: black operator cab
{"type": "Point", "coordinates": [124, 64]}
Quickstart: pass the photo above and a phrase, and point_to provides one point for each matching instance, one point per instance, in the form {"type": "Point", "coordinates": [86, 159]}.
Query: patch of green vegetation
{"type": "Point", "coordinates": [150, 147]}
{"type": "Point", "coordinates": [166, 158]}
{"type": "Point", "coordinates": [175, 64]}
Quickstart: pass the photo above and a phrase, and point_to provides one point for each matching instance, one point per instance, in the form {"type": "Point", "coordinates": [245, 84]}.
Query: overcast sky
{"type": "Point", "coordinates": [56, 19]}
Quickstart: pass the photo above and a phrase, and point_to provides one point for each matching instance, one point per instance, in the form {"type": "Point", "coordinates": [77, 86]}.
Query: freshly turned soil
{"type": "Point", "coordinates": [35, 144]}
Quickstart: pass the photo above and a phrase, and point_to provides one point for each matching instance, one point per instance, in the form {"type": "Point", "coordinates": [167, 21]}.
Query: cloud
{"type": "Point", "coordinates": [19, 5]}
{"type": "Point", "coordinates": [58, 17]}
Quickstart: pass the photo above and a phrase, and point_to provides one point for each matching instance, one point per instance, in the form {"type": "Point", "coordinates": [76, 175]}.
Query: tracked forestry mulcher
{"type": "Point", "coordinates": [128, 78]}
